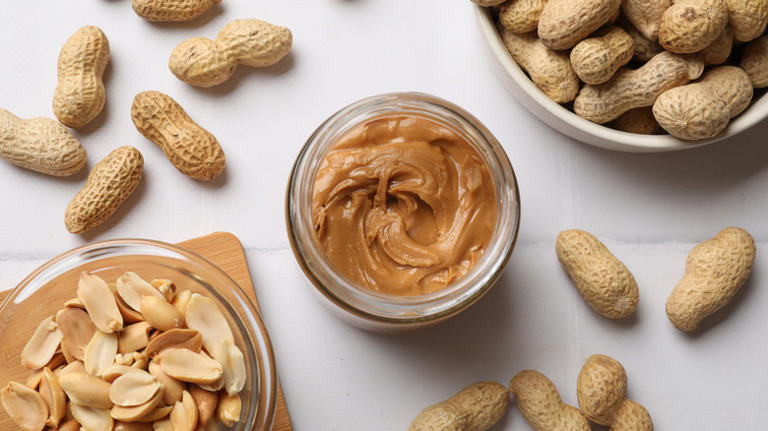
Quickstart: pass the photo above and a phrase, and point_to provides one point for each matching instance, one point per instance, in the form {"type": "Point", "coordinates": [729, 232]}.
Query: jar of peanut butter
{"type": "Point", "coordinates": [402, 210]}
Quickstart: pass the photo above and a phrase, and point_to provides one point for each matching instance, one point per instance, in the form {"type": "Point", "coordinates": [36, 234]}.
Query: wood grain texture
{"type": "Point", "coordinates": [226, 251]}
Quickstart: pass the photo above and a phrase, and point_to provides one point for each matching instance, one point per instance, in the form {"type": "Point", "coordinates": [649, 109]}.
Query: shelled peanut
{"type": "Point", "coordinates": [610, 57]}
{"type": "Point", "coordinates": [129, 355]}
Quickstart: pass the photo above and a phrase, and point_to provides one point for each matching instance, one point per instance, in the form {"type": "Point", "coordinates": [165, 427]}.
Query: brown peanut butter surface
{"type": "Point", "coordinates": [403, 205]}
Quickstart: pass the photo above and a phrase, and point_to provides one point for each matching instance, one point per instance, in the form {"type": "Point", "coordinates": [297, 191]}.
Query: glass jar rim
{"type": "Point", "coordinates": [371, 305]}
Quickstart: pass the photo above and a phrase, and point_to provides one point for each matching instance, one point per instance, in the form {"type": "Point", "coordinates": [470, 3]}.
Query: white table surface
{"type": "Point", "coordinates": [649, 210]}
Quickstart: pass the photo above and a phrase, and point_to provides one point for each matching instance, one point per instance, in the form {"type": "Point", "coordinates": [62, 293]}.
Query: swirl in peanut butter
{"type": "Point", "coordinates": [403, 205]}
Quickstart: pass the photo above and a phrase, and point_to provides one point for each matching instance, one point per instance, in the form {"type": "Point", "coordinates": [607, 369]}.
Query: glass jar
{"type": "Point", "coordinates": [374, 310]}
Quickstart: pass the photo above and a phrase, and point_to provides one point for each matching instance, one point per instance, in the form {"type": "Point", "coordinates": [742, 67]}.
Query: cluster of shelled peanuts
{"type": "Point", "coordinates": [687, 67]}
{"type": "Point", "coordinates": [130, 356]}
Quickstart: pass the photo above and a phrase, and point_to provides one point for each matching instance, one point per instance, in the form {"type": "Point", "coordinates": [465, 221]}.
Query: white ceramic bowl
{"type": "Point", "coordinates": [570, 124]}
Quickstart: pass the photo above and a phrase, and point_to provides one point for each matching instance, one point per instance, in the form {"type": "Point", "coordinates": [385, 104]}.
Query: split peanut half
{"type": "Point", "coordinates": [156, 414]}
{"type": "Point", "coordinates": [132, 288]}
{"type": "Point", "coordinates": [92, 419]}
{"type": "Point", "coordinates": [40, 349]}
{"type": "Point", "coordinates": [134, 389]}
{"type": "Point", "coordinates": [100, 353]}
{"type": "Point", "coordinates": [54, 398]}
{"type": "Point", "coordinates": [172, 388]}
{"type": "Point", "coordinates": [179, 338]}
{"type": "Point", "coordinates": [206, 402]}
{"type": "Point", "coordinates": [100, 303]}
{"type": "Point", "coordinates": [77, 329]}
{"type": "Point", "coordinates": [160, 313]}
{"type": "Point", "coordinates": [184, 414]}
{"type": "Point", "coordinates": [229, 409]}
{"type": "Point", "coordinates": [134, 337]}
{"type": "Point", "coordinates": [25, 406]}
{"type": "Point", "coordinates": [86, 390]}
{"type": "Point", "coordinates": [132, 414]}
{"type": "Point", "coordinates": [189, 366]}
{"type": "Point", "coordinates": [181, 300]}
{"type": "Point", "coordinates": [112, 373]}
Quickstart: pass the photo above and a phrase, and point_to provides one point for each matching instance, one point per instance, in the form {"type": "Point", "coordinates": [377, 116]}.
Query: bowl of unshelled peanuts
{"type": "Point", "coordinates": [133, 335]}
{"type": "Point", "coordinates": [634, 75]}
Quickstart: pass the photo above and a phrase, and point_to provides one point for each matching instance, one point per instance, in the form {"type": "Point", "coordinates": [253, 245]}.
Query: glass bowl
{"type": "Point", "coordinates": [378, 311]}
{"type": "Point", "coordinates": [42, 294]}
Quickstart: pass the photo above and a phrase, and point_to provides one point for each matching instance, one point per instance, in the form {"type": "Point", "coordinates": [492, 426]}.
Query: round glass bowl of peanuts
{"type": "Point", "coordinates": [131, 335]}
{"type": "Point", "coordinates": [633, 75]}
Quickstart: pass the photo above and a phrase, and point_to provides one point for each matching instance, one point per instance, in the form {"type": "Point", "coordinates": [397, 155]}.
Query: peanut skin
{"type": "Point", "coordinates": [714, 272]}
{"type": "Point", "coordinates": [629, 89]}
{"type": "Point", "coordinates": [689, 26]}
{"type": "Point", "coordinates": [703, 109]}
{"type": "Point", "coordinates": [563, 23]}
{"type": "Point", "coordinates": [541, 405]}
{"type": "Point", "coordinates": [603, 281]}
{"type": "Point", "coordinates": [475, 408]}
{"type": "Point", "coordinates": [194, 151]}
{"type": "Point", "coordinates": [205, 63]}
{"type": "Point", "coordinates": [602, 392]}
{"type": "Point", "coordinates": [40, 144]}
{"type": "Point", "coordinates": [109, 184]}
{"type": "Point", "coordinates": [172, 10]}
{"type": "Point", "coordinates": [80, 94]}
{"type": "Point", "coordinates": [597, 58]}
{"type": "Point", "coordinates": [550, 70]}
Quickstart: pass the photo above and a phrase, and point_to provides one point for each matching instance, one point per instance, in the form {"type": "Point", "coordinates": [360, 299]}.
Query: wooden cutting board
{"type": "Point", "coordinates": [226, 252]}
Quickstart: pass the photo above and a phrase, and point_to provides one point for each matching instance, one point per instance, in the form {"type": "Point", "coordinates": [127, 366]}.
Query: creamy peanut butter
{"type": "Point", "coordinates": [403, 205]}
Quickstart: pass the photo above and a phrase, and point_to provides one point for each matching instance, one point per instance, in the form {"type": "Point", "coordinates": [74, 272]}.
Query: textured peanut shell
{"type": "Point", "coordinates": [689, 26]}
{"type": "Point", "coordinates": [629, 89]}
{"type": "Point", "coordinates": [748, 18]}
{"type": "Point", "coordinates": [564, 23]}
{"type": "Point", "coordinates": [597, 58]}
{"type": "Point", "coordinates": [205, 63]}
{"type": "Point", "coordinates": [40, 144]}
{"type": "Point", "coordinates": [645, 15]}
{"type": "Point", "coordinates": [702, 110]}
{"type": "Point", "coordinates": [541, 405]}
{"type": "Point", "coordinates": [645, 49]}
{"type": "Point", "coordinates": [475, 408]}
{"type": "Point", "coordinates": [690, 112]}
{"type": "Point", "coordinates": [80, 94]}
{"type": "Point", "coordinates": [172, 10]}
{"type": "Point", "coordinates": [720, 49]}
{"type": "Point", "coordinates": [603, 281]}
{"type": "Point", "coordinates": [550, 70]}
{"type": "Point", "coordinates": [194, 151]}
{"type": "Point", "coordinates": [109, 184]}
{"type": "Point", "coordinates": [638, 120]}
{"type": "Point", "coordinates": [602, 393]}
{"type": "Point", "coordinates": [521, 16]}
{"type": "Point", "coordinates": [754, 61]}
{"type": "Point", "coordinates": [714, 272]}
